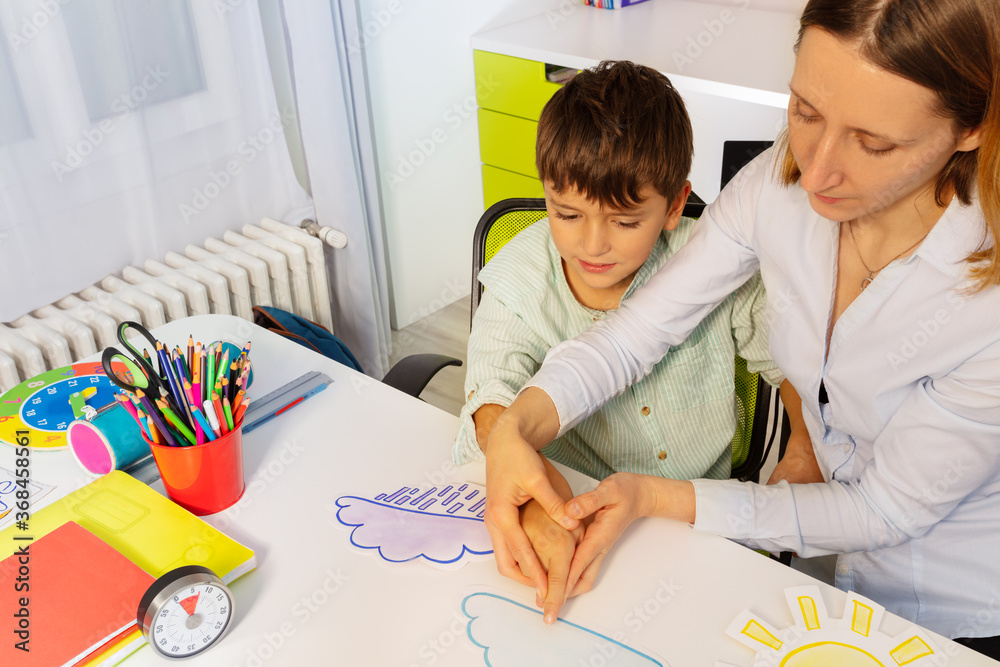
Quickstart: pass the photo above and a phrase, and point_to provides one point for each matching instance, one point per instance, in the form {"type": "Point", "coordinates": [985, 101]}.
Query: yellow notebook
{"type": "Point", "coordinates": [147, 528]}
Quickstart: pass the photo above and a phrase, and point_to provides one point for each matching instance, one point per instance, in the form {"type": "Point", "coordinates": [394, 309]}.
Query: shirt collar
{"type": "Point", "coordinates": [958, 233]}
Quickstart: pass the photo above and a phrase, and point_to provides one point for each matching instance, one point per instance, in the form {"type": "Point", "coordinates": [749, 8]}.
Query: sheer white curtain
{"type": "Point", "coordinates": [330, 95]}
{"type": "Point", "coordinates": [128, 129]}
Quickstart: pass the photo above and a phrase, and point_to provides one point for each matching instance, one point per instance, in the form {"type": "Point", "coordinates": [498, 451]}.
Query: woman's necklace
{"type": "Point", "coordinates": [867, 280]}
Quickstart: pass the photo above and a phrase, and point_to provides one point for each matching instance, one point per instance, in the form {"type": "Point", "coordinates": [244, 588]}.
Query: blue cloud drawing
{"type": "Point", "coordinates": [442, 525]}
{"type": "Point", "coordinates": [512, 634]}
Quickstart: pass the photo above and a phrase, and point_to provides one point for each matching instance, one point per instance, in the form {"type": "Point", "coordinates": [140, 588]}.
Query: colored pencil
{"type": "Point", "coordinates": [213, 418]}
{"type": "Point", "coordinates": [154, 433]}
{"type": "Point", "coordinates": [204, 375]}
{"type": "Point", "coordinates": [240, 395]}
{"type": "Point", "coordinates": [180, 397]}
{"type": "Point", "coordinates": [233, 375]}
{"type": "Point", "coordinates": [238, 417]}
{"type": "Point", "coordinates": [228, 412]}
{"type": "Point", "coordinates": [149, 360]}
{"type": "Point", "coordinates": [210, 378]}
{"type": "Point", "coordinates": [180, 365]}
{"type": "Point", "coordinates": [148, 427]}
{"type": "Point", "coordinates": [206, 427]}
{"type": "Point", "coordinates": [217, 405]}
{"type": "Point", "coordinates": [223, 366]}
{"type": "Point", "coordinates": [166, 367]}
{"type": "Point", "coordinates": [196, 385]}
{"type": "Point", "coordinates": [157, 418]}
{"type": "Point", "coordinates": [176, 421]}
{"type": "Point", "coordinates": [131, 409]}
{"type": "Point", "coordinates": [127, 404]}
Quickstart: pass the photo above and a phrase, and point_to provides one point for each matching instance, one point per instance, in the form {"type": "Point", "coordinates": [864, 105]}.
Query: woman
{"type": "Point", "coordinates": [875, 225]}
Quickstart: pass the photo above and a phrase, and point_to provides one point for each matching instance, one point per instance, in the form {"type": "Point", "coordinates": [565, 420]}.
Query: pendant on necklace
{"type": "Point", "coordinates": [866, 282]}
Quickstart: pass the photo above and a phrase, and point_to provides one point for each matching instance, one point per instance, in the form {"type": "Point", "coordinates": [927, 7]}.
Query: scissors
{"type": "Point", "coordinates": [137, 372]}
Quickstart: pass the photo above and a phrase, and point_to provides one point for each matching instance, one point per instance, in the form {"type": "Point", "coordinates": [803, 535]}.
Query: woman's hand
{"type": "Point", "coordinates": [798, 465]}
{"type": "Point", "coordinates": [515, 473]}
{"type": "Point", "coordinates": [616, 502]}
{"type": "Point", "coordinates": [554, 546]}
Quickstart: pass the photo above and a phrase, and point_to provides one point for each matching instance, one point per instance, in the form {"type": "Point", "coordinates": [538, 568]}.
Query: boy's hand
{"type": "Point", "coordinates": [554, 546]}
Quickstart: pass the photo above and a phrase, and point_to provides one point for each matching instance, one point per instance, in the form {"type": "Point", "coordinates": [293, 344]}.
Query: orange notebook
{"type": "Point", "coordinates": [80, 593]}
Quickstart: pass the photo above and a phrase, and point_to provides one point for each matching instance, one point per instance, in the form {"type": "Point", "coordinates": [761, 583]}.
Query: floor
{"type": "Point", "coordinates": [447, 332]}
{"type": "Point", "coordinates": [443, 332]}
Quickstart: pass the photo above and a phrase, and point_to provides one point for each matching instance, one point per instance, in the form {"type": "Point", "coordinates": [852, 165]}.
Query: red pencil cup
{"type": "Point", "coordinates": [203, 479]}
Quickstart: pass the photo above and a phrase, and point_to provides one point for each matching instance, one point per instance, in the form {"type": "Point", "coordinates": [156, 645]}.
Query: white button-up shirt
{"type": "Point", "coordinates": [910, 437]}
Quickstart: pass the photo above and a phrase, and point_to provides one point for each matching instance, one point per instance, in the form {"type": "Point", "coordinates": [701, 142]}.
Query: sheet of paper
{"type": "Point", "coordinates": [8, 495]}
{"type": "Point", "coordinates": [512, 634]}
{"type": "Point", "coordinates": [439, 525]}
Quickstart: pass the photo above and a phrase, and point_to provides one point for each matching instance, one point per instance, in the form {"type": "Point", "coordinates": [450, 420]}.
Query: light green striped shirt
{"type": "Point", "coordinates": [677, 422]}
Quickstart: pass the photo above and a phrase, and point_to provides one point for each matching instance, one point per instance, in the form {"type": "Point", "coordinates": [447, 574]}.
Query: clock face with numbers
{"type": "Point", "coordinates": [185, 612]}
{"type": "Point", "coordinates": [43, 407]}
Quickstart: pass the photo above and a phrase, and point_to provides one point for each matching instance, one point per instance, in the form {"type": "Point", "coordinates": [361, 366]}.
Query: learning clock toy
{"type": "Point", "coordinates": [41, 408]}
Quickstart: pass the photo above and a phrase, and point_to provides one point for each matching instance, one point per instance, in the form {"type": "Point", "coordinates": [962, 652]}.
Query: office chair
{"type": "Point", "coordinates": [505, 219]}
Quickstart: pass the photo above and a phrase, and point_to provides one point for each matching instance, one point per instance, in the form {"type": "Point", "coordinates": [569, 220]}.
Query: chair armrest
{"type": "Point", "coordinates": [411, 374]}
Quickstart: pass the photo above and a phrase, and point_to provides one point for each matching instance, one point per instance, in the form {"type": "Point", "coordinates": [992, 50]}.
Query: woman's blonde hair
{"type": "Point", "coordinates": [951, 47]}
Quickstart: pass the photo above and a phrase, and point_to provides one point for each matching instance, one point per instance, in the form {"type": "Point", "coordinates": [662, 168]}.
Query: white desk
{"type": "Point", "coordinates": [313, 600]}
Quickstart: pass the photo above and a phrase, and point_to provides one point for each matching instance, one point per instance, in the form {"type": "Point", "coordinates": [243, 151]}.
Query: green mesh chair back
{"type": "Point", "coordinates": [505, 219]}
{"type": "Point", "coordinates": [499, 224]}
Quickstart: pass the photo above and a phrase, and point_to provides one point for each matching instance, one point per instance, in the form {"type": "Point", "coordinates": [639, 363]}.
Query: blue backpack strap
{"type": "Point", "coordinates": [305, 333]}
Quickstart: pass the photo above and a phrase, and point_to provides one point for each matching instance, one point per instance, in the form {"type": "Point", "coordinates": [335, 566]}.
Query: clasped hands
{"type": "Point", "coordinates": [544, 537]}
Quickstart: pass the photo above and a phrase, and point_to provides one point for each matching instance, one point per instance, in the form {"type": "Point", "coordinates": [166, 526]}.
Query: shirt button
{"type": "Point", "coordinates": [645, 411]}
{"type": "Point", "coordinates": [471, 394]}
{"type": "Point", "coordinates": [661, 455]}
{"type": "Point", "coordinates": [843, 568]}
{"type": "Point", "coordinates": [847, 448]}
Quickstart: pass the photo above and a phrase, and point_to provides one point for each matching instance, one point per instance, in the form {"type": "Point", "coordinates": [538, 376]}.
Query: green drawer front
{"type": "Point", "coordinates": [512, 85]}
{"type": "Point", "coordinates": [501, 184]}
{"type": "Point", "coordinates": [507, 142]}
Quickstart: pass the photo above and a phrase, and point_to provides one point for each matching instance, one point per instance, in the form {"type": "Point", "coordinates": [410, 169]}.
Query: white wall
{"type": "Point", "coordinates": [422, 86]}
{"type": "Point", "coordinates": [423, 101]}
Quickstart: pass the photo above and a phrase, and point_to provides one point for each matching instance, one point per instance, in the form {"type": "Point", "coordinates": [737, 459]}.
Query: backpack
{"type": "Point", "coordinates": [306, 333]}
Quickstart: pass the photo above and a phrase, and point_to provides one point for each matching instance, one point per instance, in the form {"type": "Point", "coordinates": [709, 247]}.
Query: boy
{"type": "Point", "coordinates": [613, 150]}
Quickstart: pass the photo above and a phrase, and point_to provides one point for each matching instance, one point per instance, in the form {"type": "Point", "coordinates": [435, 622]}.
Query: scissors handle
{"type": "Point", "coordinates": [140, 373]}
{"type": "Point", "coordinates": [137, 376]}
{"type": "Point", "coordinates": [142, 331]}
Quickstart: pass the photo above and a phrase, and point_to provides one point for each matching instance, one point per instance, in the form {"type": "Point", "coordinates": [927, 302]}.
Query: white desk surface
{"type": "Point", "coordinates": [313, 600]}
{"type": "Point", "coordinates": [724, 49]}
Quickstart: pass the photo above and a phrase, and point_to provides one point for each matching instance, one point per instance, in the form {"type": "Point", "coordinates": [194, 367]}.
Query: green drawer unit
{"type": "Point", "coordinates": [502, 184]}
{"type": "Point", "coordinates": [511, 93]}
{"type": "Point", "coordinates": [507, 142]}
{"type": "Point", "coordinates": [511, 85]}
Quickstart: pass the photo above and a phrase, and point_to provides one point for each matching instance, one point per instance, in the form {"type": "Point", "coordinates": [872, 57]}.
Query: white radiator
{"type": "Point", "coordinates": [270, 264]}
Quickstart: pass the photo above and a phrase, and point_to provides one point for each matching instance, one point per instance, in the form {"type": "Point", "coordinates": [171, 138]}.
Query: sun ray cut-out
{"type": "Point", "coordinates": [816, 640]}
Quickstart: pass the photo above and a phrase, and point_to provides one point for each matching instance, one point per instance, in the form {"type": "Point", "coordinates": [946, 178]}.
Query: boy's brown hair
{"type": "Point", "coordinates": [611, 131]}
